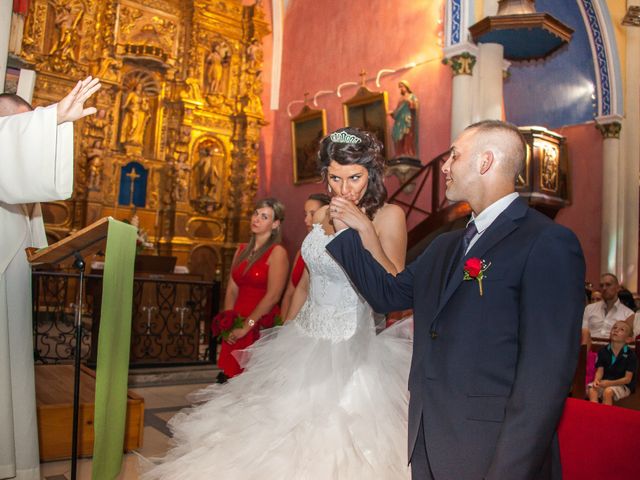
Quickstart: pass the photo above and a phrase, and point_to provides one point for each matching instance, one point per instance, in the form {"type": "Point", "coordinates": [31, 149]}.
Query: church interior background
{"type": "Point", "coordinates": [207, 105]}
{"type": "Point", "coordinates": [195, 115]}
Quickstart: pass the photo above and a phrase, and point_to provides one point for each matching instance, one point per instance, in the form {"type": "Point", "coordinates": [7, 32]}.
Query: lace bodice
{"type": "Point", "coordinates": [333, 310]}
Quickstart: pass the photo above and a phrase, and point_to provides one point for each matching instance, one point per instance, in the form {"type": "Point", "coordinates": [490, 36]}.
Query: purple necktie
{"type": "Point", "coordinates": [469, 233]}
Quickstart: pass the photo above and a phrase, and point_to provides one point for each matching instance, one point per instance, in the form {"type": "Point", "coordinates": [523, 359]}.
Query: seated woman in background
{"type": "Point", "coordinates": [258, 277]}
{"type": "Point", "coordinates": [313, 203]}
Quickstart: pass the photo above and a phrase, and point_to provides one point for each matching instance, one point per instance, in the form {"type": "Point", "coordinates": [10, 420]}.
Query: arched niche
{"type": "Point", "coordinates": [207, 174]}
{"type": "Point", "coordinates": [133, 185]}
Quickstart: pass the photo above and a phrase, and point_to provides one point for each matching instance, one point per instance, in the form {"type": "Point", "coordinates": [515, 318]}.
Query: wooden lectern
{"type": "Point", "coordinates": [71, 251]}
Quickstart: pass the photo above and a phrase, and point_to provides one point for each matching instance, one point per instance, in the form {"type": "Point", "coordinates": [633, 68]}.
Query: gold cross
{"type": "Point", "coordinates": [132, 175]}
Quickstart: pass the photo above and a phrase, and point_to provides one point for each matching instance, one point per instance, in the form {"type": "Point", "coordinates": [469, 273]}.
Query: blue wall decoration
{"type": "Point", "coordinates": [133, 185]}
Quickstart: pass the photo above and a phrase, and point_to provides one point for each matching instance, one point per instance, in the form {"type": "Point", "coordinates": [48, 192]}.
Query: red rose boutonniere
{"type": "Point", "coordinates": [474, 269]}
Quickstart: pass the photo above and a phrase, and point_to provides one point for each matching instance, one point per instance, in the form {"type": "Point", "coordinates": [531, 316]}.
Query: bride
{"type": "Point", "coordinates": [322, 397]}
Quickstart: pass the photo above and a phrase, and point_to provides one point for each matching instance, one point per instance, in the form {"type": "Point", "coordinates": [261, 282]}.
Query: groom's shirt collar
{"type": "Point", "coordinates": [489, 214]}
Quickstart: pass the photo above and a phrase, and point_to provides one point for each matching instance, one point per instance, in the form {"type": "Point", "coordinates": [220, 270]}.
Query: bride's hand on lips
{"type": "Point", "coordinates": [346, 213]}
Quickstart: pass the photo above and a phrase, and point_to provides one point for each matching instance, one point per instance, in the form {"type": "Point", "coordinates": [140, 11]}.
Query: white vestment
{"type": "Point", "coordinates": [36, 164]}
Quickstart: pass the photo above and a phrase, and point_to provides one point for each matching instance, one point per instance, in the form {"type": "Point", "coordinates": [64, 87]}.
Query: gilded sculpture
{"type": "Point", "coordinates": [67, 18]}
{"type": "Point", "coordinates": [216, 67]}
{"type": "Point", "coordinates": [170, 103]}
{"type": "Point", "coordinates": [135, 116]}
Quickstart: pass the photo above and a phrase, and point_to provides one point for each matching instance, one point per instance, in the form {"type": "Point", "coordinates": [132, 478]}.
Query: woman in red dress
{"type": "Point", "coordinates": [314, 202]}
{"type": "Point", "coordinates": [258, 277]}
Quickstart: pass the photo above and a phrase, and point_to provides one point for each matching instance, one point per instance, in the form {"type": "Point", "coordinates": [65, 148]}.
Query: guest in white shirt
{"type": "Point", "coordinates": [599, 317]}
{"type": "Point", "coordinates": [634, 322]}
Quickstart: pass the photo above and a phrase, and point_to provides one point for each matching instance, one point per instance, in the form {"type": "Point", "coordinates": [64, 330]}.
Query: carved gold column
{"type": "Point", "coordinates": [462, 64]}
{"type": "Point", "coordinates": [610, 240]}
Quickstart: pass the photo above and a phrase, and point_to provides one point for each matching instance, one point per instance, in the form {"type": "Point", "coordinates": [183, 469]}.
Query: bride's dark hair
{"type": "Point", "coordinates": [352, 146]}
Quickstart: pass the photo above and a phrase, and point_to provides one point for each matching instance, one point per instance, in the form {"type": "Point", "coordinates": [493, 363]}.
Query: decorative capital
{"type": "Point", "coordinates": [609, 130]}
{"type": "Point", "coordinates": [461, 64]}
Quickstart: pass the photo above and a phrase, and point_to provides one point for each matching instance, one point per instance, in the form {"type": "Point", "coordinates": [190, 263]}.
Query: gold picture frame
{"type": "Point", "coordinates": [307, 129]}
{"type": "Point", "coordinates": [369, 111]}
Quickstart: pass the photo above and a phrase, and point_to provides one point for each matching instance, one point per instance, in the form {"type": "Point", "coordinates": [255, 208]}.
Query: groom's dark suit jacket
{"type": "Point", "coordinates": [489, 374]}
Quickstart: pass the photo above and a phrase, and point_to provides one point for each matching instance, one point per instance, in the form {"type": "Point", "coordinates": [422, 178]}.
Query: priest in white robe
{"type": "Point", "coordinates": [36, 164]}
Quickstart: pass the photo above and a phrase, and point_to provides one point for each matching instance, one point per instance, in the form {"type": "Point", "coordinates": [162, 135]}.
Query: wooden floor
{"type": "Point", "coordinates": [161, 403]}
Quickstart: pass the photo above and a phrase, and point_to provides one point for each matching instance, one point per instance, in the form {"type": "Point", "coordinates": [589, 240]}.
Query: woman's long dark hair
{"type": "Point", "coordinates": [275, 237]}
{"type": "Point", "coordinates": [367, 152]}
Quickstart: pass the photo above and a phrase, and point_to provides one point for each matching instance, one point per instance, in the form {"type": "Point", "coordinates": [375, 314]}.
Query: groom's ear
{"type": "Point", "coordinates": [486, 160]}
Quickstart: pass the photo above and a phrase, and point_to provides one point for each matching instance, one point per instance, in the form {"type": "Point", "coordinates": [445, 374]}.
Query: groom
{"type": "Point", "coordinates": [497, 312]}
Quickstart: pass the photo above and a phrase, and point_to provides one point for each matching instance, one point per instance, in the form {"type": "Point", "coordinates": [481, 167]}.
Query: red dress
{"type": "Point", "coordinates": [298, 270]}
{"type": "Point", "coordinates": [252, 286]}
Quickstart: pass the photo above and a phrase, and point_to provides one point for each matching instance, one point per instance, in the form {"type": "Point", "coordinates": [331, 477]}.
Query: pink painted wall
{"type": "Point", "coordinates": [327, 43]}
{"type": "Point", "coordinates": [584, 216]}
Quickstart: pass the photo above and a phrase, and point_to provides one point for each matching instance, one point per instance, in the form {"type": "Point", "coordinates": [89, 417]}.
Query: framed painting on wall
{"type": "Point", "coordinates": [307, 129]}
{"type": "Point", "coordinates": [368, 110]}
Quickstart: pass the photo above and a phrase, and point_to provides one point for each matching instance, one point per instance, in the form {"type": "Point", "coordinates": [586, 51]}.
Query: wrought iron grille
{"type": "Point", "coordinates": [171, 319]}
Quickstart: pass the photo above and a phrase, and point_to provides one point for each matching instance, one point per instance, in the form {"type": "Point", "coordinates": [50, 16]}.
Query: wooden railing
{"type": "Point", "coordinates": [436, 214]}
{"type": "Point", "coordinates": [428, 174]}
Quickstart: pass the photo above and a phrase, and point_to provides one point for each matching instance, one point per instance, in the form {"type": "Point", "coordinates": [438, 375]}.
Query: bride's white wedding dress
{"type": "Point", "coordinates": [321, 398]}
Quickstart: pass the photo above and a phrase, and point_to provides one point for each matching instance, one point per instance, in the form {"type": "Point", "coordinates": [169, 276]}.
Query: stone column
{"type": "Point", "coordinates": [489, 96]}
{"type": "Point", "coordinates": [461, 64]}
{"type": "Point", "coordinates": [26, 84]}
{"type": "Point", "coordinates": [6, 10]}
{"type": "Point", "coordinates": [631, 160]}
{"type": "Point", "coordinates": [489, 8]}
{"type": "Point", "coordinates": [610, 130]}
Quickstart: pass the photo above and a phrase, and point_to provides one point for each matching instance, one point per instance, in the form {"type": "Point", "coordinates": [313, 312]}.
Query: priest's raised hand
{"type": "Point", "coordinates": [71, 107]}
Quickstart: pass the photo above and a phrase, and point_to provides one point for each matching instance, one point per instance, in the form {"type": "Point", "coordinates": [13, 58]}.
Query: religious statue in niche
{"type": "Point", "coordinates": [216, 69]}
{"type": "Point", "coordinates": [254, 57]}
{"type": "Point", "coordinates": [192, 87]}
{"type": "Point", "coordinates": [179, 172]}
{"type": "Point", "coordinates": [135, 117]}
{"type": "Point", "coordinates": [94, 166]}
{"type": "Point", "coordinates": [251, 101]}
{"type": "Point", "coordinates": [207, 176]}
{"type": "Point", "coordinates": [404, 132]}
{"type": "Point", "coordinates": [66, 20]}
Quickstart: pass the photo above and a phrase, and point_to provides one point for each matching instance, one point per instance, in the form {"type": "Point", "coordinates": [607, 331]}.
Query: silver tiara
{"type": "Point", "coordinates": [343, 137]}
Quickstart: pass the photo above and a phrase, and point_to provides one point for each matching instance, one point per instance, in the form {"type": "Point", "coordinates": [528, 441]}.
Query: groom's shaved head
{"type": "Point", "coordinates": [10, 104]}
{"type": "Point", "coordinates": [506, 143]}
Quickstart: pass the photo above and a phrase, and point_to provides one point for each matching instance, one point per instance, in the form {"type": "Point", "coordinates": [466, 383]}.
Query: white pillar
{"type": "Point", "coordinates": [6, 9]}
{"type": "Point", "coordinates": [461, 63]}
{"type": "Point", "coordinates": [489, 96]}
{"type": "Point", "coordinates": [631, 159]}
{"type": "Point", "coordinates": [26, 84]}
{"type": "Point", "coordinates": [610, 169]}
{"type": "Point", "coordinates": [489, 8]}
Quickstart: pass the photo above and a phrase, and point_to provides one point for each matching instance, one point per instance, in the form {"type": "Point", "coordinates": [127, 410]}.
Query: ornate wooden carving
{"type": "Point", "coordinates": [181, 97]}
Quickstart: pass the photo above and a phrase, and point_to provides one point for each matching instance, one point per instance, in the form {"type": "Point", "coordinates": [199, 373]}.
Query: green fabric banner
{"type": "Point", "coordinates": [113, 351]}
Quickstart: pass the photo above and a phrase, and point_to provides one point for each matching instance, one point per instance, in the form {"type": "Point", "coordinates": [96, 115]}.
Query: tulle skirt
{"type": "Point", "coordinates": [305, 408]}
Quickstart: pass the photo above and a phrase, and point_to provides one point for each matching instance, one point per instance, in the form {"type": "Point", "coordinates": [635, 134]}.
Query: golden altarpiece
{"type": "Point", "coordinates": [174, 144]}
